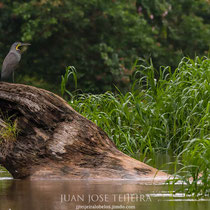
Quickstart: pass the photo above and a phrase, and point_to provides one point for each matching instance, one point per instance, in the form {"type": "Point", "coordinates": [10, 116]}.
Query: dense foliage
{"type": "Point", "coordinates": [101, 39]}
{"type": "Point", "coordinates": [171, 113]}
{"type": "Point", "coordinates": [161, 114]}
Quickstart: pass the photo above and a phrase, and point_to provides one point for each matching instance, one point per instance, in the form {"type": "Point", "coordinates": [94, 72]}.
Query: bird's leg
{"type": "Point", "coordinates": [13, 76]}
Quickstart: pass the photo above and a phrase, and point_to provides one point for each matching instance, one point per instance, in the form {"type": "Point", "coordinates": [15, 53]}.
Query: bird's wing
{"type": "Point", "coordinates": [9, 64]}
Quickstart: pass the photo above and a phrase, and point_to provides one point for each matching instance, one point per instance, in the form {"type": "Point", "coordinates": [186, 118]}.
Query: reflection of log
{"type": "Point", "coordinates": [66, 195]}
{"type": "Point", "coordinates": [54, 141]}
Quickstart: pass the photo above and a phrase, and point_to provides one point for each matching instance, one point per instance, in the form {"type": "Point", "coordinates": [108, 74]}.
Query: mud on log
{"type": "Point", "coordinates": [54, 141]}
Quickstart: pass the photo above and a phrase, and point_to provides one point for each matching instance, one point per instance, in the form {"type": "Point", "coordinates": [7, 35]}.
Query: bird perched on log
{"type": "Point", "coordinates": [11, 61]}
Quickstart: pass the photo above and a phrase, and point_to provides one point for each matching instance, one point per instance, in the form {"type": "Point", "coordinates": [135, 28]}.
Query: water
{"type": "Point", "coordinates": [69, 195]}
{"type": "Point", "coordinates": [75, 194]}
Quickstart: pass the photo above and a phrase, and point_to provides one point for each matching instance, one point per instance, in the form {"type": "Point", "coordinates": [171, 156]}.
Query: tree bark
{"type": "Point", "coordinates": [53, 141]}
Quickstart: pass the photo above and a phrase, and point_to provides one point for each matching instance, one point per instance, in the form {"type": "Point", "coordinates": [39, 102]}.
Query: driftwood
{"type": "Point", "coordinates": [56, 142]}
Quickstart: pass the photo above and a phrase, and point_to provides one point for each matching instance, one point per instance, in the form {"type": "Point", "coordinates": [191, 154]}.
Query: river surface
{"type": "Point", "coordinates": [87, 194]}
{"type": "Point", "coordinates": [74, 194]}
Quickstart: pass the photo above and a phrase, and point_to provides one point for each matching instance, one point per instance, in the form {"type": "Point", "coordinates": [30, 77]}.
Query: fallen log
{"type": "Point", "coordinates": [53, 141]}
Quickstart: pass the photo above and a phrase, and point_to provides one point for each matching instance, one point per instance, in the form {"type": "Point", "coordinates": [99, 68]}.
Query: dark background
{"type": "Point", "coordinates": [101, 38]}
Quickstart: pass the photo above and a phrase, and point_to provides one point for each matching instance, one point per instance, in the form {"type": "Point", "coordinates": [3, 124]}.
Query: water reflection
{"type": "Point", "coordinates": [67, 195]}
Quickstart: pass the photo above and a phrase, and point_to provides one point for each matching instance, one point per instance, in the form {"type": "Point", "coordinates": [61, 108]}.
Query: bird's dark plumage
{"type": "Point", "coordinates": [11, 61]}
{"type": "Point", "coordinates": [9, 65]}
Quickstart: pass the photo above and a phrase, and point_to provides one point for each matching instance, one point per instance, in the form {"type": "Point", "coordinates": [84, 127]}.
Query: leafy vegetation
{"type": "Point", "coordinates": [8, 130]}
{"type": "Point", "coordinates": [101, 39]}
{"type": "Point", "coordinates": [195, 170]}
{"type": "Point", "coordinates": [64, 80]}
{"type": "Point", "coordinates": [171, 113]}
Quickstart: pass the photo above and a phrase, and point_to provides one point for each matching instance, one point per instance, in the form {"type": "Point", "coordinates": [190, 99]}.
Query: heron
{"type": "Point", "coordinates": [11, 61]}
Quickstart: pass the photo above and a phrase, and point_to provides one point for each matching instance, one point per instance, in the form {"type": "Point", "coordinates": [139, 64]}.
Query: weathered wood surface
{"type": "Point", "coordinates": [56, 142]}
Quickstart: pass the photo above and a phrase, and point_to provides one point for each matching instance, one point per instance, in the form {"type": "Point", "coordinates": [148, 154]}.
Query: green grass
{"type": "Point", "coordinates": [8, 133]}
{"type": "Point", "coordinates": [171, 113]}
{"type": "Point", "coordinates": [8, 129]}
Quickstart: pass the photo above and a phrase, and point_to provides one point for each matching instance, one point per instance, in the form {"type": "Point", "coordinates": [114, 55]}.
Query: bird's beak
{"type": "Point", "coordinates": [23, 47]}
{"type": "Point", "coordinates": [25, 44]}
